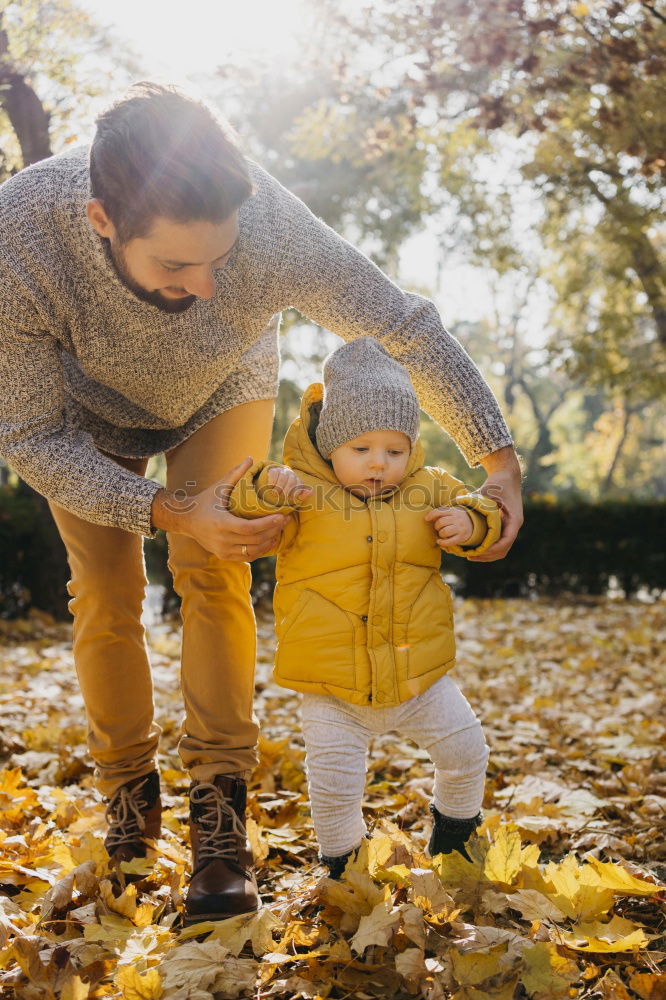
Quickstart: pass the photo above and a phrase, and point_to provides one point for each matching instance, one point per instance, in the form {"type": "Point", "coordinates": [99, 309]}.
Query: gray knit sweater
{"type": "Point", "coordinates": [86, 365]}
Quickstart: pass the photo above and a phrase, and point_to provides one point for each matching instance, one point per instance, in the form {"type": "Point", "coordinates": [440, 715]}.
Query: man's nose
{"type": "Point", "coordinates": [200, 282]}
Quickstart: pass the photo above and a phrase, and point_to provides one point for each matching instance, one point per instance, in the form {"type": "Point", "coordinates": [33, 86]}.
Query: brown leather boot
{"type": "Point", "coordinates": [223, 882]}
{"type": "Point", "coordinates": [134, 815]}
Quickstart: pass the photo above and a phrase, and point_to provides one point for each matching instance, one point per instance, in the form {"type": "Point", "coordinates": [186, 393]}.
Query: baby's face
{"type": "Point", "coordinates": [372, 462]}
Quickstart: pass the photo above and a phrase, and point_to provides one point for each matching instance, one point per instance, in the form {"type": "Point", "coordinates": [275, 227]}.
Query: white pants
{"type": "Point", "coordinates": [440, 721]}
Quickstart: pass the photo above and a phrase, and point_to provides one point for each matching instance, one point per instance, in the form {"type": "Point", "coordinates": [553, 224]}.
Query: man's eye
{"type": "Point", "coordinates": [171, 270]}
{"type": "Point", "coordinates": [360, 449]}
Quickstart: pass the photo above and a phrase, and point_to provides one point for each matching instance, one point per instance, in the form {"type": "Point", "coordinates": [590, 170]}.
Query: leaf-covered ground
{"type": "Point", "coordinates": [563, 898]}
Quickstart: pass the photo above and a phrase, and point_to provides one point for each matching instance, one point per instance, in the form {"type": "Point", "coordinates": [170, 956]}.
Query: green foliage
{"type": "Point", "coordinates": [546, 123]}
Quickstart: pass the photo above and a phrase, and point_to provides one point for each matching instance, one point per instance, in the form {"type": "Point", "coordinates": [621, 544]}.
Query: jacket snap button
{"type": "Point", "coordinates": [369, 538]}
{"type": "Point", "coordinates": [364, 618]}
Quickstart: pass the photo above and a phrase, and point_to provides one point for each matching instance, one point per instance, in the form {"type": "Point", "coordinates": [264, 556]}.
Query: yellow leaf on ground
{"type": "Point", "coordinates": [429, 893]}
{"type": "Point", "coordinates": [413, 924]}
{"type": "Point", "coordinates": [380, 849]}
{"type": "Point", "coordinates": [112, 929]}
{"type": "Point", "coordinates": [616, 935]}
{"type": "Point", "coordinates": [144, 914]}
{"type": "Point", "coordinates": [456, 872]}
{"type": "Point", "coordinates": [502, 862]}
{"type": "Point", "coordinates": [411, 963]}
{"type": "Point", "coordinates": [576, 889]}
{"type": "Point", "coordinates": [139, 986]}
{"type": "Point", "coordinates": [15, 795]}
{"type": "Point", "coordinates": [79, 850]}
{"type": "Point", "coordinates": [533, 905]}
{"type": "Point", "coordinates": [504, 992]}
{"type": "Point", "coordinates": [300, 934]}
{"type": "Point", "coordinates": [125, 904]}
{"type": "Point", "coordinates": [611, 987]}
{"type": "Point", "coordinates": [649, 985]}
{"type": "Point", "coordinates": [547, 974]}
{"type": "Point", "coordinates": [616, 877]}
{"type": "Point", "coordinates": [357, 895]}
{"type": "Point", "coordinates": [474, 967]}
{"type": "Point", "coordinates": [375, 928]}
{"type": "Point", "coordinates": [340, 952]}
{"type": "Point", "coordinates": [75, 989]}
{"type": "Point", "coordinates": [58, 896]}
{"type": "Point", "coordinates": [258, 842]}
{"type": "Point", "coordinates": [231, 933]}
{"type": "Point", "coordinates": [194, 965]}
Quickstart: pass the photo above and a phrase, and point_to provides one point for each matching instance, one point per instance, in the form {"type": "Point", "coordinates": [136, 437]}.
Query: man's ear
{"type": "Point", "coordinates": [99, 220]}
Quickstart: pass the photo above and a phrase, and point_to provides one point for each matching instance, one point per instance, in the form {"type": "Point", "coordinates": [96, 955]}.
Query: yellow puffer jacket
{"type": "Point", "coordinates": [361, 610]}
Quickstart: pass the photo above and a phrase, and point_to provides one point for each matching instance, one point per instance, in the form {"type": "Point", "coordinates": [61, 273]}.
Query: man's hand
{"type": "Point", "coordinates": [453, 525]}
{"type": "Point", "coordinates": [206, 519]}
{"type": "Point", "coordinates": [289, 487]}
{"type": "Point", "coordinates": [503, 485]}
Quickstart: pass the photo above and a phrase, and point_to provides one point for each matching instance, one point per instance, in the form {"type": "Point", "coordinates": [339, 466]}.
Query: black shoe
{"type": "Point", "coordinates": [336, 866]}
{"type": "Point", "coordinates": [134, 815]}
{"type": "Point", "coordinates": [450, 834]}
{"type": "Point", "coordinates": [223, 881]}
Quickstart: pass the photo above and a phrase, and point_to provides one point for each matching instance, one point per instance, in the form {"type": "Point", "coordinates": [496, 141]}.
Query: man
{"type": "Point", "coordinates": [142, 282]}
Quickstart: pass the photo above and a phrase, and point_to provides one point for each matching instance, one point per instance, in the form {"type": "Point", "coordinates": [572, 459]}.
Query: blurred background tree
{"type": "Point", "coordinates": [531, 137]}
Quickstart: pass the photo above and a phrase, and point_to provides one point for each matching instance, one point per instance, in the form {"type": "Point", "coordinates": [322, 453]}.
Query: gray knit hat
{"type": "Point", "coordinates": [365, 389]}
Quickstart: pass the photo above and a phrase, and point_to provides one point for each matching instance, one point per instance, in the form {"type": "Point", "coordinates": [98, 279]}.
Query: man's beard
{"type": "Point", "coordinates": [117, 258]}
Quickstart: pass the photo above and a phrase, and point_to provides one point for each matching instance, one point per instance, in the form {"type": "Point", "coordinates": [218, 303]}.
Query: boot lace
{"type": "Point", "coordinates": [124, 814]}
{"type": "Point", "coordinates": [218, 825]}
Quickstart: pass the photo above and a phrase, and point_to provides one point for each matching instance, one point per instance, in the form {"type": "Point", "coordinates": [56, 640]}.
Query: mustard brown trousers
{"type": "Point", "coordinates": [107, 586]}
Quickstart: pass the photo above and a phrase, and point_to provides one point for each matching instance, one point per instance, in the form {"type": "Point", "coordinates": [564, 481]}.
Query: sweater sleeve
{"type": "Point", "coordinates": [57, 460]}
{"type": "Point", "coordinates": [339, 288]}
{"type": "Point", "coordinates": [253, 497]}
{"type": "Point", "coordinates": [484, 512]}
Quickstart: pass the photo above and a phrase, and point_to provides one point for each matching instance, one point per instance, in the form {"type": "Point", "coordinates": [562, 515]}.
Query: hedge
{"type": "Point", "coordinates": [573, 547]}
{"type": "Point", "coordinates": [33, 561]}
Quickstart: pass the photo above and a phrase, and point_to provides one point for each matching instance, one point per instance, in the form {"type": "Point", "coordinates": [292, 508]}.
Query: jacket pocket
{"type": "Point", "coordinates": [430, 639]}
{"type": "Point", "coordinates": [316, 643]}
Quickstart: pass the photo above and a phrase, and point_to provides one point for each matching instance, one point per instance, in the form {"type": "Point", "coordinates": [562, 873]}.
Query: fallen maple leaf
{"type": "Point", "coordinates": [649, 985]}
{"type": "Point", "coordinates": [616, 935]}
{"type": "Point", "coordinates": [375, 928]}
{"type": "Point", "coordinates": [411, 964]}
{"type": "Point", "coordinates": [139, 986]}
{"type": "Point", "coordinates": [547, 974]}
{"type": "Point", "coordinates": [503, 860]}
{"type": "Point", "coordinates": [207, 967]}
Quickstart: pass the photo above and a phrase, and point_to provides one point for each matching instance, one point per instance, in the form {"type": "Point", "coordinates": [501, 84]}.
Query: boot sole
{"type": "Point", "coordinates": [201, 918]}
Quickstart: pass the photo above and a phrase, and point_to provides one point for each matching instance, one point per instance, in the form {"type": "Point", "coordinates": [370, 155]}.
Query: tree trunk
{"type": "Point", "coordinates": [608, 481]}
{"type": "Point", "coordinates": [650, 273]}
{"type": "Point", "coordinates": [25, 111]}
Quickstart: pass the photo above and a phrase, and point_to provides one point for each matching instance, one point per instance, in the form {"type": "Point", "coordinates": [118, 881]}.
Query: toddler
{"type": "Point", "coordinates": [362, 615]}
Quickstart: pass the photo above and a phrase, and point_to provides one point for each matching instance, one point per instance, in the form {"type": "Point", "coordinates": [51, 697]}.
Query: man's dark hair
{"type": "Point", "coordinates": [159, 152]}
